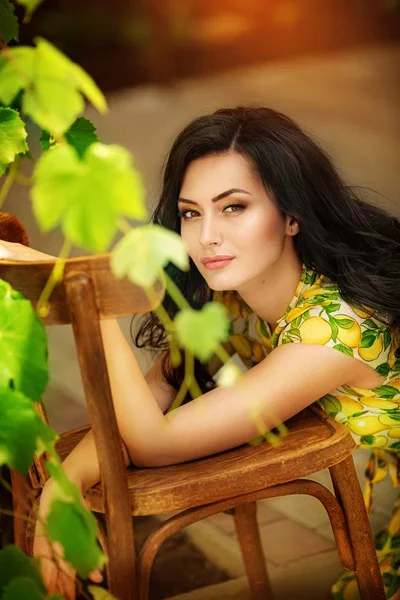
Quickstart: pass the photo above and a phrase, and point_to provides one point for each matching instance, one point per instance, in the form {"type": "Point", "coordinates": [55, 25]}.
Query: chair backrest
{"type": "Point", "coordinates": [88, 293]}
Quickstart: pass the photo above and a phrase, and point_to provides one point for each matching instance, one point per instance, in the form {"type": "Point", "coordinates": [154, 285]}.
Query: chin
{"type": "Point", "coordinates": [223, 285]}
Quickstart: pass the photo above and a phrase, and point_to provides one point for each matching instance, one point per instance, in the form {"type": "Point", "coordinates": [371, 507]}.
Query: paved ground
{"type": "Point", "coordinates": [350, 103]}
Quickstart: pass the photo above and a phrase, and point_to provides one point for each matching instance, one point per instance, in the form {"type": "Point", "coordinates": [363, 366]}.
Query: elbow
{"type": "Point", "coordinates": [148, 457]}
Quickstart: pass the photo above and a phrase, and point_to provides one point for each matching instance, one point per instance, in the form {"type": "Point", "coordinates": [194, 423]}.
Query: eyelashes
{"type": "Point", "coordinates": [183, 214]}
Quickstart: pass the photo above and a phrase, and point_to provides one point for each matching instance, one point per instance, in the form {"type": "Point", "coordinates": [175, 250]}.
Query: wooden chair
{"type": "Point", "coordinates": [234, 480]}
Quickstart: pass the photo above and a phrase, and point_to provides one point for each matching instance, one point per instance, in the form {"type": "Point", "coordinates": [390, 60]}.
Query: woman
{"type": "Point", "coordinates": [310, 275]}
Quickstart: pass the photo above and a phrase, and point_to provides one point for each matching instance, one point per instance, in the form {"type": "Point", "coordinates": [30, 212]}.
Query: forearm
{"type": "Point", "coordinates": [134, 406]}
{"type": "Point", "coordinates": [138, 414]}
{"type": "Point", "coordinates": [81, 467]}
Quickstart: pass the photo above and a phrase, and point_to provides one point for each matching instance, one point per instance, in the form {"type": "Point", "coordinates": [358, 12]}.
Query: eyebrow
{"type": "Point", "coordinates": [219, 197]}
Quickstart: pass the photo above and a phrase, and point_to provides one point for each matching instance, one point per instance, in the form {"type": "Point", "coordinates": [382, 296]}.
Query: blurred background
{"type": "Point", "coordinates": [332, 65]}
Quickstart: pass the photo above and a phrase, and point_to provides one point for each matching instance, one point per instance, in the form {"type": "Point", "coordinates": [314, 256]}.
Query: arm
{"type": "Point", "coordinates": [81, 465]}
{"type": "Point", "coordinates": [222, 418]}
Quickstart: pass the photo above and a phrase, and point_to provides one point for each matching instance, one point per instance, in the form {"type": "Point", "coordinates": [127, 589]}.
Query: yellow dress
{"type": "Point", "coordinates": [317, 314]}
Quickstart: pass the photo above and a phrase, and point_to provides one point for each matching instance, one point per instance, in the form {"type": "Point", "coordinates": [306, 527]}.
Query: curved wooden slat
{"type": "Point", "coordinates": [114, 297]}
{"type": "Point", "coordinates": [314, 442]}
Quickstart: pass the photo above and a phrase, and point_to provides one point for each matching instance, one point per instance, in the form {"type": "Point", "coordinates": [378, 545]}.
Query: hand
{"type": "Point", "coordinates": [58, 575]}
{"type": "Point", "coordinates": [18, 252]}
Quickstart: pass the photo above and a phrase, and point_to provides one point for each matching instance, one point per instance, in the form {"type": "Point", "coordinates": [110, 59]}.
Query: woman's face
{"type": "Point", "coordinates": [225, 211]}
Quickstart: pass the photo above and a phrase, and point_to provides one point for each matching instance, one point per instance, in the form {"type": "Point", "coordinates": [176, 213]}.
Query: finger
{"type": "Point", "coordinates": [96, 576]}
{"type": "Point", "coordinates": [66, 586]}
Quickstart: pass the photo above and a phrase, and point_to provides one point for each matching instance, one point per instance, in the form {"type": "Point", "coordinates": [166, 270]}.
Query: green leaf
{"type": "Point", "coordinates": [75, 528]}
{"type": "Point", "coordinates": [332, 307]}
{"type": "Point", "coordinates": [72, 524]}
{"type": "Point", "coordinates": [200, 331]}
{"type": "Point", "coordinates": [335, 329]}
{"type": "Point", "coordinates": [53, 86]}
{"type": "Point", "coordinates": [144, 251]}
{"type": "Point", "coordinates": [14, 563]}
{"type": "Point", "coordinates": [100, 593]}
{"type": "Point", "coordinates": [368, 338]}
{"type": "Point", "coordinates": [9, 27]}
{"type": "Point", "coordinates": [22, 432]}
{"type": "Point", "coordinates": [87, 197]}
{"type": "Point", "coordinates": [12, 137]}
{"type": "Point", "coordinates": [344, 323]}
{"type": "Point", "coordinates": [15, 72]}
{"type": "Point", "coordinates": [23, 345]}
{"type": "Point", "coordinates": [80, 136]}
{"type": "Point", "coordinates": [47, 141]}
{"type": "Point", "coordinates": [316, 299]}
{"type": "Point", "coordinates": [294, 332]}
{"type": "Point", "coordinates": [370, 324]}
{"type": "Point", "coordinates": [23, 588]}
{"type": "Point", "coordinates": [30, 7]}
{"type": "Point", "coordinates": [296, 322]}
{"type": "Point", "coordinates": [387, 338]}
{"type": "Point", "coordinates": [367, 439]}
{"type": "Point", "coordinates": [383, 369]}
{"type": "Point", "coordinates": [386, 391]}
{"type": "Point", "coordinates": [344, 349]}
{"type": "Point", "coordinates": [331, 404]}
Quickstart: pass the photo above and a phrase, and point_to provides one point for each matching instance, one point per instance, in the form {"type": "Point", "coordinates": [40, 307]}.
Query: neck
{"type": "Point", "coordinates": [270, 293]}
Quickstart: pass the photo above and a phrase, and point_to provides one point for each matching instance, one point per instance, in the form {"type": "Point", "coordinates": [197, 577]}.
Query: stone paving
{"type": "Point", "coordinates": [349, 102]}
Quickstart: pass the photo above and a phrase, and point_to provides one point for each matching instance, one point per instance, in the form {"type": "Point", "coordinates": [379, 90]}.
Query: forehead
{"type": "Point", "coordinates": [209, 176]}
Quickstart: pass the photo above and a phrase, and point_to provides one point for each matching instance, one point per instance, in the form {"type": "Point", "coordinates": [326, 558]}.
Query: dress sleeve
{"type": "Point", "coordinates": [337, 324]}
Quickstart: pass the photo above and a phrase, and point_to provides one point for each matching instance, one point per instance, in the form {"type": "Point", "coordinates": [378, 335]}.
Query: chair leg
{"type": "Point", "coordinates": [22, 495]}
{"type": "Point", "coordinates": [349, 494]}
{"type": "Point", "coordinates": [249, 538]}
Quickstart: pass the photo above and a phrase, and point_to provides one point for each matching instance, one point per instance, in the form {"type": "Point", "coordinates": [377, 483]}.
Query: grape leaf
{"type": "Point", "coordinates": [144, 251]}
{"type": "Point", "coordinates": [86, 197]}
{"type": "Point", "coordinates": [14, 563]}
{"type": "Point", "coordinates": [53, 85]}
{"type": "Point", "coordinates": [100, 593]}
{"type": "Point", "coordinates": [80, 135]}
{"type": "Point", "coordinates": [16, 67]}
{"type": "Point", "coordinates": [200, 331]}
{"type": "Point", "coordinates": [23, 588]}
{"type": "Point", "coordinates": [22, 432]}
{"type": "Point", "coordinates": [30, 7]}
{"type": "Point", "coordinates": [72, 524]}
{"type": "Point", "coordinates": [12, 137]}
{"type": "Point", "coordinates": [9, 27]}
{"type": "Point", "coordinates": [23, 345]}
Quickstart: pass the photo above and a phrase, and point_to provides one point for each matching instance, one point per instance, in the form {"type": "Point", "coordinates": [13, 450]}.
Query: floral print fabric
{"type": "Point", "coordinates": [318, 314]}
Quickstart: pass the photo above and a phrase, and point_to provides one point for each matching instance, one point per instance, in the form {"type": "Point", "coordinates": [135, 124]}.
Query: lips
{"type": "Point", "coordinates": [221, 258]}
{"type": "Point", "coordinates": [218, 263]}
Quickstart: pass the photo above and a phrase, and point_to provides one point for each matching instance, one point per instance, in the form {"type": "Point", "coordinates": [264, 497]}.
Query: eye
{"type": "Point", "coordinates": [237, 207]}
{"type": "Point", "coordinates": [185, 214]}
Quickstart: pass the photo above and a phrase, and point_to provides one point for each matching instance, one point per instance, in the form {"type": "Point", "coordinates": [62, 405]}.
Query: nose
{"type": "Point", "coordinates": [210, 232]}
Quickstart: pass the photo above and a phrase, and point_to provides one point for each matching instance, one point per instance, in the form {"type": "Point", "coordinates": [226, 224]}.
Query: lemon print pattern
{"type": "Point", "coordinates": [318, 314]}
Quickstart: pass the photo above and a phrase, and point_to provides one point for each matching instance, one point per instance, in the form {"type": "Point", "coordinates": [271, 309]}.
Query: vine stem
{"type": "Point", "coordinates": [9, 180]}
{"type": "Point", "coordinates": [189, 382]}
{"type": "Point", "coordinates": [43, 306]}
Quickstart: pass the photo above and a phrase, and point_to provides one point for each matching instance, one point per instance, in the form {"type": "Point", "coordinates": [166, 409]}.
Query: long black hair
{"type": "Point", "coordinates": [355, 244]}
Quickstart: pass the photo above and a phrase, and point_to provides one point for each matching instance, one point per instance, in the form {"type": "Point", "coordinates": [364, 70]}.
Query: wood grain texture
{"type": "Point", "coordinates": [89, 292]}
{"type": "Point", "coordinates": [313, 443]}
{"type": "Point", "coordinates": [114, 297]}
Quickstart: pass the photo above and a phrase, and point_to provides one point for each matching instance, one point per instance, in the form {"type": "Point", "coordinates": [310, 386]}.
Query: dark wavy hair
{"type": "Point", "coordinates": [355, 244]}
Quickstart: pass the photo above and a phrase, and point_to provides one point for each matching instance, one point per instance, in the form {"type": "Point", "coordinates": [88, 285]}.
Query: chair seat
{"type": "Point", "coordinates": [314, 442]}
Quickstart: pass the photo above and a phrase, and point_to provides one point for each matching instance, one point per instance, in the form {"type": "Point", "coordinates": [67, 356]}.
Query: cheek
{"type": "Point", "coordinates": [187, 241]}
{"type": "Point", "coordinates": [263, 230]}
